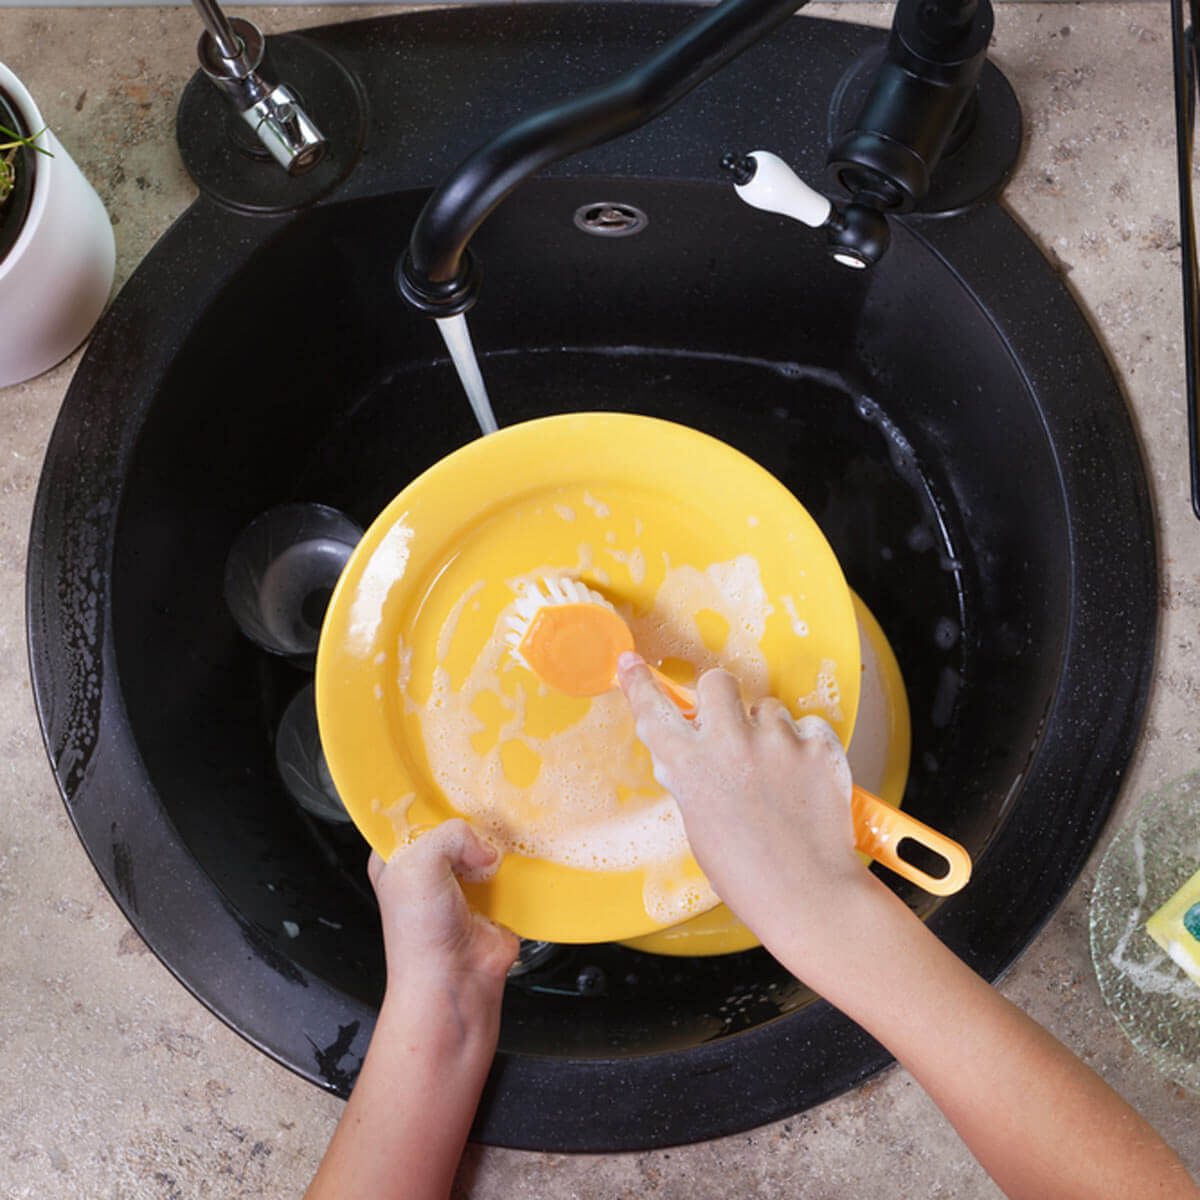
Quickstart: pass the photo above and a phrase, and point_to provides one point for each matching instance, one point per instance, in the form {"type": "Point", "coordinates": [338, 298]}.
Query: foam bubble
{"type": "Point", "coordinates": [733, 591]}
{"type": "Point", "coordinates": [671, 894]}
{"type": "Point", "coordinates": [597, 506]}
{"type": "Point", "coordinates": [397, 815]}
{"type": "Point", "coordinates": [634, 561]}
{"type": "Point", "coordinates": [826, 696]}
{"type": "Point", "coordinates": [383, 571]}
{"type": "Point", "coordinates": [403, 666]}
{"type": "Point", "coordinates": [799, 627]}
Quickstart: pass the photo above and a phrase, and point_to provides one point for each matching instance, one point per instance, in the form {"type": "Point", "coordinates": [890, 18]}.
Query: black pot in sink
{"type": "Point", "coordinates": [948, 418]}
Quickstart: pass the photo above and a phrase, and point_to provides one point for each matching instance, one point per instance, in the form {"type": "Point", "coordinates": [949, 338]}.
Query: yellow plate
{"type": "Point", "coordinates": [878, 754]}
{"type": "Point", "coordinates": [424, 715]}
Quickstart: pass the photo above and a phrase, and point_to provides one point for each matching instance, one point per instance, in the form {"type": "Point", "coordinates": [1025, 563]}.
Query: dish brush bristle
{"type": "Point", "coordinates": [534, 596]}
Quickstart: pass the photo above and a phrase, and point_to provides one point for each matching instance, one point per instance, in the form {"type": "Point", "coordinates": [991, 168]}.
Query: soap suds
{"type": "Point", "coordinates": [384, 570]}
{"type": "Point", "coordinates": [597, 506]}
{"type": "Point", "coordinates": [593, 801]}
{"type": "Point", "coordinates": [734, 591]}
{"type": "Point", "coordinates": [799, 627]}
{"type": "Point", "coordinates": [671, 895]}
{"type": "Point", "coordinates": [826, 697]}
{"type": "Point", "coordinates": [634, 562]}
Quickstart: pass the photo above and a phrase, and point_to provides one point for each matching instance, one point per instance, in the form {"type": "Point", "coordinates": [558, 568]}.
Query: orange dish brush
{"type": "Point", "coordinates": [571, 638]}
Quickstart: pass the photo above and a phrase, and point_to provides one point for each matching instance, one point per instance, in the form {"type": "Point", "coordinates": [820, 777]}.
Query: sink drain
{"type": "Point", "coordinates": [606, 219]}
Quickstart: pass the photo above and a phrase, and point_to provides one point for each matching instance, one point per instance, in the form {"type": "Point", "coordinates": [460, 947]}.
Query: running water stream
{"type": "Point", "coordinates": [458, 341]}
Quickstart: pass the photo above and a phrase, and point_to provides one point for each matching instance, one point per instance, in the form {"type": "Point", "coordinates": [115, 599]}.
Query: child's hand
{"type": "Point", "coordinates": [765, 799]}
{"type": "Point", "coordinates": [407, 1119]}
{"type": "Point", "coordinates": [432, 938]}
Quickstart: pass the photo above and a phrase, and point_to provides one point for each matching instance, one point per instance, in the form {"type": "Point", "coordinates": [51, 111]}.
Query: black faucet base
{"type": "Point", "coordinates": [976, 167]}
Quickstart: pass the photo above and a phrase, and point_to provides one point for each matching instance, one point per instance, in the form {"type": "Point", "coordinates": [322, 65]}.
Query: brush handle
{"type": "Point", "coordinates": [879, 829]}
{"type": "Point", "coordinates": [683, 698]}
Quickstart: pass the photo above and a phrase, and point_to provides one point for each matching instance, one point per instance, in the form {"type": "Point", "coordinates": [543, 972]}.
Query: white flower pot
{"type": "Point", "coordinates": [55, 279]}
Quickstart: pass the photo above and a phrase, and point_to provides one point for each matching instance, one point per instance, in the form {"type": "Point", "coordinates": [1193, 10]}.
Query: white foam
{"type": "Point", "coordinates": [826, 697]}
{"type": "Point", "coordinates": [669, 895]}
{"type": "Point", "coordinates": [734, 591]}
{"type": "Point", "coordinates": [812, 726]}
{"type": "Point", "coordinates": [397, 815]}
{"type": "Point", "coordinates": [565, 512]}
{"type": "Point", "coordinates": [634, 561]}
{"type": "Point", "coordinates": [799, 627]}
{"type": "Point", "coordinates": [597, 506]}
{"type": "Point", "coordinates": [383, 571]}
{"type": "Point", "coordinates": [403, 666]}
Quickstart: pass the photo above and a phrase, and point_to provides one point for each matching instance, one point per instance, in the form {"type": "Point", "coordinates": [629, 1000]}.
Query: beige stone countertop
{"type": "Point", "coordinates": [117, 1083]}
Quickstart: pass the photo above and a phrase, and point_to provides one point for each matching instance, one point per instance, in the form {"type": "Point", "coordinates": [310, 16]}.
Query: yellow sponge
{"type": "Point", "coordinates": [1176, 927]}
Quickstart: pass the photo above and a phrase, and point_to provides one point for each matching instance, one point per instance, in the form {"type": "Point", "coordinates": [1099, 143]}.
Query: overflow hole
{"type": "Point", "coordinates": [607, 218]}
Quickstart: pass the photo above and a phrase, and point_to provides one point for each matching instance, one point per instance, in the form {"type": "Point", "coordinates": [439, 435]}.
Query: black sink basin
{"type": "Point", "coordinates": [948, 419]}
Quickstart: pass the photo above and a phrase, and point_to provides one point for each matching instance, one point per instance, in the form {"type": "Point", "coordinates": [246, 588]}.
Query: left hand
{"type": "Point", "coordinates": [430, 934]}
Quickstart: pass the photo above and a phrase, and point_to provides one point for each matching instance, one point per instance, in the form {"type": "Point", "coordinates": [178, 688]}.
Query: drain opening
{"type": "Point", "coordinates": [608, 219]}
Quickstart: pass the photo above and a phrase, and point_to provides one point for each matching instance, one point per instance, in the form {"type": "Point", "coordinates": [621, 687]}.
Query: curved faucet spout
{"type": "Point", "coordinates": [438, 275]}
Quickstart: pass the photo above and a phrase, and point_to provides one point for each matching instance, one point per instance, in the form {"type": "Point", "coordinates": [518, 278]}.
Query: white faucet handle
{"type": "Point", "coordinates": [776, 188]}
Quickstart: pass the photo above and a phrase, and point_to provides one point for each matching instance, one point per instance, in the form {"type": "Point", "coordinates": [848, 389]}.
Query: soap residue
{"type": "Point", "coordinates": [383, 571]}
{"type": "Point", "coordinates": [826, 697]}
{"type": "Point", "coordinates": [734, 591]}
{"type": "Point", "coordinates": [671, 894]}
{"type": "Point", "coordinates": [597, 506]}
{"type": "Point", "coordinates": [799, 627]}
{"type": "Point", "coordinates": [583, 794]}
{"type": "Point", "coordinates": [634, 562]}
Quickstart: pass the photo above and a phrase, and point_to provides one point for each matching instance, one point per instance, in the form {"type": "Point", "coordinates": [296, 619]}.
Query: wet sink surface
{"type": "Point", "coordinates": [947, 419]}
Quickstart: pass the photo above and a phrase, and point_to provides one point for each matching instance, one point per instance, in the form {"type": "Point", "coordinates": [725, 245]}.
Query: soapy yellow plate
{"type": "Point", "coordinates": [425, 714]}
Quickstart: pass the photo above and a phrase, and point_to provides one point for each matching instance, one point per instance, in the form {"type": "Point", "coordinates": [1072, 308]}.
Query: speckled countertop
{"type": "Point", "coordinates": [118, 1084]}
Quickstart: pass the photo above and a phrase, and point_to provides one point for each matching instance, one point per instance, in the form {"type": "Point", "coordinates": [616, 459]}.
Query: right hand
{"type": "Point", "coordinates": [765, 799]}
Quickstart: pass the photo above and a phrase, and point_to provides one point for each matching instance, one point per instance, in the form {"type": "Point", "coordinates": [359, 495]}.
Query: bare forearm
{"type": "Point", "coordinates": [406, 1122]}
{"type": "Point", "coordinates": [1040, 1122]}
